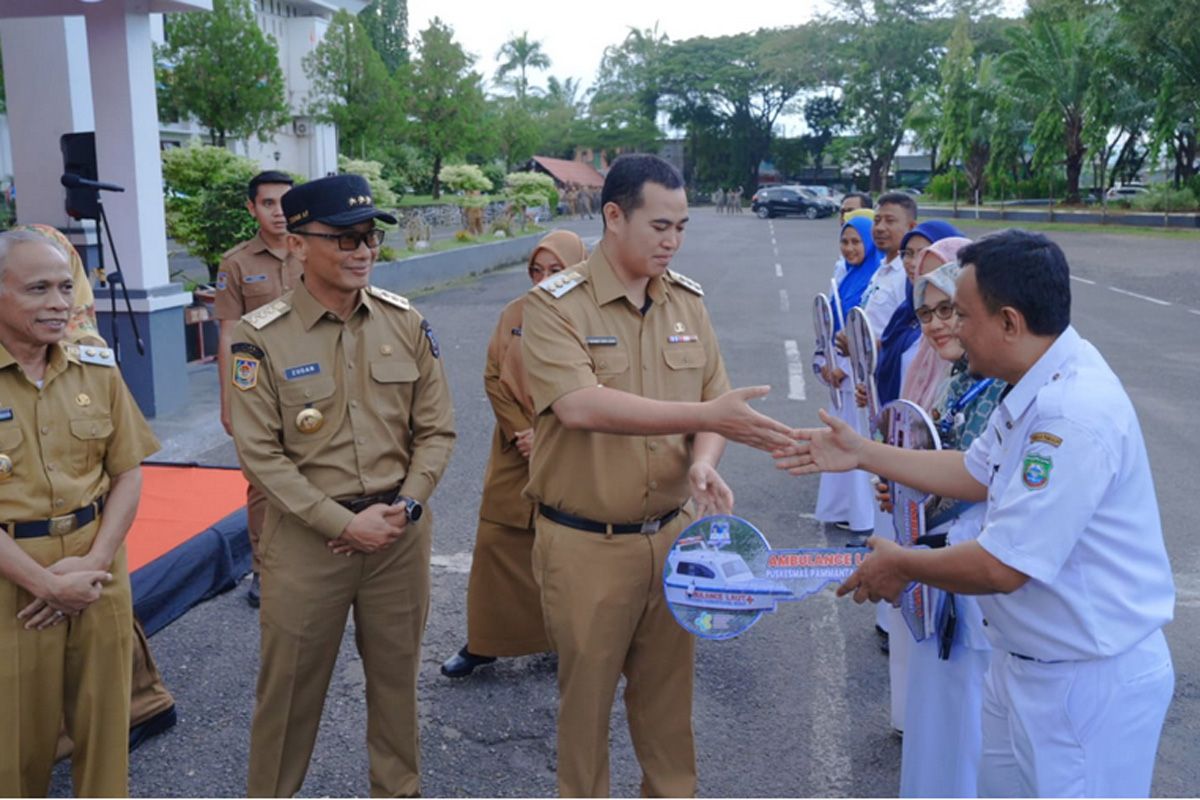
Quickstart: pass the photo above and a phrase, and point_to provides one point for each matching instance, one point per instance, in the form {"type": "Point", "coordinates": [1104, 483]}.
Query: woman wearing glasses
{"type": "Point", "coordinates": [504, 612]}
{"type": "Point", "coordinates": [942, 723]}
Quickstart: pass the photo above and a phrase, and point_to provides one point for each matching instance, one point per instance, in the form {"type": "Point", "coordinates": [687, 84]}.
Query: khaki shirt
{"type": "Point", "coordinates": [252, 275]}
{"type": "Point", "coordinates": [508, 390]}
{"type": "Point", "coordinates": [376, 380]}
{"type": "Point", "coordinates": [592, 335]}
{"type": "Point", "coordinates": [68, 439]}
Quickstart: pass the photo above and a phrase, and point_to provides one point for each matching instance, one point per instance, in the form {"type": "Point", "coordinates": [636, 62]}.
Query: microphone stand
{"type": "Point", "coordinates": [112, 281]}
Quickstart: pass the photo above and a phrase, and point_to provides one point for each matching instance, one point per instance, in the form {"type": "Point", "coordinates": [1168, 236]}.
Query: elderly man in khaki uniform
{"type": "Point", "coordinates": [504, 611]}
{"type": "Point", "coordinates": [256, 272]}
{"type": "Point", "coordinates": [342, 416]}
{"type": "Point", "coordinates": [71, 442]}
{"type": "Point", "coordinates": [621, 345]}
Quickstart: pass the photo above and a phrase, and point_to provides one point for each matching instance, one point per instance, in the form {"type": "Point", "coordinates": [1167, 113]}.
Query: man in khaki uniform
{"type": "Point", "coordinates": [504, 610]}
{"type": "Point", "coordinates": [622, 345]}
{"type": "Point", "coordinates": [252, 274]}
{"type": "Point", "coordinates": [342, 416]}
{"type": "Point", "coordinates": [71, 442]}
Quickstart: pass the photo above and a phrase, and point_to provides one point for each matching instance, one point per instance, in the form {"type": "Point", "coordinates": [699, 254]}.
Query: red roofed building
{"type": "Point", "coordinates": [567, 173]}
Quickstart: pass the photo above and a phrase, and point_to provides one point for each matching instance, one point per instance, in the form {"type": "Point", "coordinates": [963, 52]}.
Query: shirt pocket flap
{"type": "Point", "coordinates": [394, 371]}
{"type": "Point", "coordinates": [305, 391]}
{"type": "Point", "coordinates": [10, 439]}
{"type": "Point", "coordinates": [92, 428]}
{"type": "Point", "coordinates": [680, 357]}
{"type": "Point", "coordinates": [610, 363]}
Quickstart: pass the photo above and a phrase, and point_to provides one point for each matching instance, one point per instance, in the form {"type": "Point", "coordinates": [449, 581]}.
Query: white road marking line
{"type": "Point", "coordinates": [1083, 280]}
{"type": "Point", "coordinates": [806, 515]}
{"type": "Point", "coordinates": [456, 562]}
{"type": "Point", "coordinates": [1194, 311]}
{"type": "Point", "coordinates": [1148, 299]}
{"type": "Point", "coordinates": [772, 241]}
{"type": "Point", "coordinates": [778, 270]}
{"type": "Point", "coordinates": [784, 306]}
{"type": "Point", "coordinates": [795, 370]}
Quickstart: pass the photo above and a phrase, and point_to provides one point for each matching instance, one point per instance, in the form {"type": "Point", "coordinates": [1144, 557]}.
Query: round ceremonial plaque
{"type": "Point", "coordinates": [711, 578]}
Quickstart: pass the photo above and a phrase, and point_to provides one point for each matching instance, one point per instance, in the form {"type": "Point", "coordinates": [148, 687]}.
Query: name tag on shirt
{"type": "Point", "coordinates": [6, 414]}
{"type": "Point", "coordinates": [254, 278]}
{"type": "Point", "coordinates": [302, 371]}
{"type": "Point", "coordinates": [685, 337]}
{"type": "Point", "coordinates": [602, 341]}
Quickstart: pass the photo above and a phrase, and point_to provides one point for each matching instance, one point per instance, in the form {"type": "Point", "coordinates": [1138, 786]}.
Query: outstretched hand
{"type": "Point", "coordinates": [709, 490]}
{"type": "Point", "coordinates": [833, 449]}
{"type": "Point", "coordinates": [880, 576]}
{"type": "Point", "coordinates": [734, 419]}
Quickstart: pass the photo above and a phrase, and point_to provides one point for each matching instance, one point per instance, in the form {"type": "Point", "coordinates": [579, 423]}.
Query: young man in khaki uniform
{"type": "Point", "coordinates": [342, 416]}
{"type": "Point", "coordinates": [252, 274]}
{"type": "Point", "coordinates": [621, 345]}
{"type": "Point", "coordinates": [504, 607]}
{"type": "Point", "coordinates": [71, 442]}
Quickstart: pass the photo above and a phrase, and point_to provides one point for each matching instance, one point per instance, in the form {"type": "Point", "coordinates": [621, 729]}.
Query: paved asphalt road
{"type": "Point", "coordinates": [797, 706]}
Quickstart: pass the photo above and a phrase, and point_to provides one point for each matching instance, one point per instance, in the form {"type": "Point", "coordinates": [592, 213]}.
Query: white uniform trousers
{"type": "Point", "coordinates": [1075, 728]}
{"type": "Point", "coordinates": [847, 496]}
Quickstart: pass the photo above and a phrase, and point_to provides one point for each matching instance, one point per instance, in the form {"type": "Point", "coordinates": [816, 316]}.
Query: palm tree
{"type": "Point", "coordinates": [519, 55]}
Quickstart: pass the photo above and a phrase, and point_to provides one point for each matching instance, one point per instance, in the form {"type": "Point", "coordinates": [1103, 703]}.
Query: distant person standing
{"type": "Point", "coordinates": [504, 607]}
{"type": "Point", "coordinates": [252, 274]}
{"type": "Point", "coordinates": [854, 201]}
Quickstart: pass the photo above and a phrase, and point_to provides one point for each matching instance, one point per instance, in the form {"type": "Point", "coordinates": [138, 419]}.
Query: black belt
{"type": "Point", "coordinates": [357, 504]}
{"type": "Point", "coordinates": [590, 525]}
{"type": "Point", "coordinates": [57, 526]}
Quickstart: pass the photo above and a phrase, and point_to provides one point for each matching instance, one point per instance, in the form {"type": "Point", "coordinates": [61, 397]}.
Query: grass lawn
{"type": "Point", "coordinates": [1079, 227]}
{"type": "Point", "coordinates": [453, 243]}
{"type": "Point", "coordinates": [447, 199]}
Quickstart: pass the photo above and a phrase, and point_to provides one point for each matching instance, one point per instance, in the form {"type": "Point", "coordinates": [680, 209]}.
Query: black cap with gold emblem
{"type": "Point", "coordinates": [339, 200]}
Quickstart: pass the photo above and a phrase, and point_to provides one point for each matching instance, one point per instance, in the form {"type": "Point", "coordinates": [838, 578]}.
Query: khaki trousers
{"type": "Point", "coordinates": [606, 615]}
{"type": "Point", "coordinates": [504, 605]}
{"type": "Point", "coordinates": [78, 670]}
{"type": "Point", "coordinates": [307, 591]}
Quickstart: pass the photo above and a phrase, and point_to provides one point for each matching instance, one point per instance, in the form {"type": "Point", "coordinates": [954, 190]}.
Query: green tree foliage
{"type": "Point", "coordinates": [517, 57]}
{"type": "Point", "coordinates": [559, 115]}
{"type": "Point", "coordinates": [624, 103]}
{"type": "Point", "coordinates": [446, 99]}
{"type": "Point", "coordinates": [888, 53]}
{"type": "Point", "coordinates": [465, 178]}
{"type": "Point", "coordinates": [515, 130]}
{"type": "Point", "coordinates": [1055, 63]}
{"type": "Point", "coordinates": [729, 91]}
{"type": "Point", "coordinates": [351, 88]}
{"type": "Point", "coordinates": [222, 70]}
{"type": "Point", "coordinates": [386, 24]}
{"type": "Point", "coordinates": [527, 190]}
{"type": "Point", "coordinates": [824, 116]}
{"type": "Point", "coordinates": [206, 200]}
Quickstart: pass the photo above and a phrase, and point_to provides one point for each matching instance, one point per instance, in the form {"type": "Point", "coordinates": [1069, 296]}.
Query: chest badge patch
{"type": "Point", "coordinates": [6, 467]}
{"type": "Point", "coordinates": [1035, 472]}
{"type": "Point", "coordinates": [245, 372]}
{"type": "Point", "coordinates": [82, 400]}
{"type": "Point", "coordinates": [309, 420]}
{"type": "Point", "coordinates": [302, 371]}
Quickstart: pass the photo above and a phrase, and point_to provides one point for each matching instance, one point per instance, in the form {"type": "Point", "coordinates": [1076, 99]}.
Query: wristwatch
{"type": "Point", "coordinates": [413, 507]}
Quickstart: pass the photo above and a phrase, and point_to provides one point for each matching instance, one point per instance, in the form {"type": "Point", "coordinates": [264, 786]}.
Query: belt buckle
{"type": "Point", "coordinates": [61, 526]}
{"type": "Point", "coordinates": [651, 525]}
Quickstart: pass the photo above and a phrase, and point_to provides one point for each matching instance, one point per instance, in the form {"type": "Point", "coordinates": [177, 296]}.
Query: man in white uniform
{"type": "Point", "coordinates": [1073, 575]}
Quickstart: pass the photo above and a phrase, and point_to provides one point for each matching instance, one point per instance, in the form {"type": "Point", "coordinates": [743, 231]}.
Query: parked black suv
{"type": "Point", "coordinates": [778, 201]}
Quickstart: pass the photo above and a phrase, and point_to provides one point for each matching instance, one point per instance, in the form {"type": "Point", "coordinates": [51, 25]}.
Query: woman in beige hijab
{"type": "Point", "coordinates": [504, 611]}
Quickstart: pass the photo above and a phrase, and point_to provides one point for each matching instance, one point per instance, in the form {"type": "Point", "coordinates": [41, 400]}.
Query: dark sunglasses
{"type": "Point", "coordinates": [350, 240]}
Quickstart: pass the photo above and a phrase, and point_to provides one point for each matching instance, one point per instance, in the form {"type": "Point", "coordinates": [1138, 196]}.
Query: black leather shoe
{"type": "Point", "coordinates": [254, 595]}
{"type": "Point", "coordinates": [463, 663]}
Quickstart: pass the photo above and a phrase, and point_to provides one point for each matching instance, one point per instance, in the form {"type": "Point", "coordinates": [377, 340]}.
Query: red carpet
{"type": "Point", "coordinates": [178, 503]}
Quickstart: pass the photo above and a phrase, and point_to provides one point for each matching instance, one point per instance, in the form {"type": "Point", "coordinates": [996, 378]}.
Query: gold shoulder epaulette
{"type": "Point", "coordinates": [560, 283]}
{"type": "Point", "coordinates": [685, 282]}
{"type": "Point", "coordinates": [260, 318]}
{"type": "Point", "coordinates": [391, 298]}
{"type": "Point", "coordinates": [234, 249]}
{"type": "Point", "coordinates": [91, 354]}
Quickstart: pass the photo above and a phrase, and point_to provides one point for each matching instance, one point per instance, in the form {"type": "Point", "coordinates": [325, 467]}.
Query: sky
{"type": "Point", "coordinates": [574, 35]}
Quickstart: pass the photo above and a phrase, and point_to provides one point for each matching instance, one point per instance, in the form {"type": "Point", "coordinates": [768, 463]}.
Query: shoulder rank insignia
{"type": "Point", "coordinates": [391, 298]}
{"type": "Point", "coordinates": [260, 318]}
{"type": "Point", "coordinates": [685, 282]}
{"type": "Point", "coordinates": [560, 283]}
{"type": "Point", "coordinates": [101, 356]}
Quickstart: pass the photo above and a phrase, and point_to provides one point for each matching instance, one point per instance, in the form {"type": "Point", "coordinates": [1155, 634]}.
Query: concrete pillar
{"type": "Point", "coordinates": [127, 153]}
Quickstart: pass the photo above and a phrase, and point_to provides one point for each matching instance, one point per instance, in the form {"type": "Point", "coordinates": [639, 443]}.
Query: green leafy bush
{"type": "Point", "coordinates": [464, 178]}
{"type": "Point", "coordinates": [206, 200]}
{"type": "Point", "coordinates": [528, 190]}
{"type": "Point", "coordinates": [1164, 197]}
{"type": "Point", "coordinates": [941, 187]}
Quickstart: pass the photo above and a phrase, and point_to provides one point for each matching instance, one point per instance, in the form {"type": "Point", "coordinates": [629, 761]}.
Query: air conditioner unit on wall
{"type": "Point", "coordinates": [301, 127]}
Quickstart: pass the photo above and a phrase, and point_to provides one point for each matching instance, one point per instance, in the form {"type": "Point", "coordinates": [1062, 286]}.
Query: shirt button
{"type": "Point", "coordinates": [361, 440]}
{"type": "Point", "coordinates": [349, 365]}
{"type": "Point", "coordinates": [51, 467]}
{"type": "Point", "coordinates": [653, 446]}
{"type": "Point", "coordinates": [45, 430]}
{"type": "Point", "coordinates": [354, 404]}
{"type": "Point", "coordinates": [602, 364]}
{"type": "Point", "coordinates": [1008, 425]}
{"type": "Point", "coordinates": [653, 484]}
{"type": "Point", "coordinates": [59, 503]}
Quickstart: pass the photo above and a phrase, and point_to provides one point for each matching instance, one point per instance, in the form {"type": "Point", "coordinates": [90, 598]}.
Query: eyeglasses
{"type": "Point", "coordinates": [350, 240]}
{"type": "Point", "coordinates": [943, 311]}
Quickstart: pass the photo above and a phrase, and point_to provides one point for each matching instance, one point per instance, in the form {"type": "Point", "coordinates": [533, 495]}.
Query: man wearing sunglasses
{"type": "Point", "coordinates": [342, 416]}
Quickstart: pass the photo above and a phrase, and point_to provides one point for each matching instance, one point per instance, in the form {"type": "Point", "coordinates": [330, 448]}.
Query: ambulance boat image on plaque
{"type": "Point", "coordinates": [722, 575]}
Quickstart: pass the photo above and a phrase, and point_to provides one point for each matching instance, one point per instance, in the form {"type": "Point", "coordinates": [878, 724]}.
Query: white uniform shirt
{"type": "Point", "coordinates": [884, 294]}
{"type": "Point", "coordinates": [1071, 504]}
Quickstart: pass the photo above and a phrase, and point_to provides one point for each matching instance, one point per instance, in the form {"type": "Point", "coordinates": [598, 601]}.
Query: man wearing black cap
{"type": "Point", "coordinates": [342, 416]}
